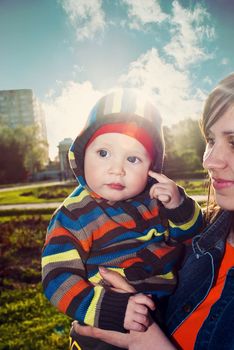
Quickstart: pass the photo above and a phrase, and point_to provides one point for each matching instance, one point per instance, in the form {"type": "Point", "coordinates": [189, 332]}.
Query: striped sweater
{"type": "Point", "coordinates": [129, 237]}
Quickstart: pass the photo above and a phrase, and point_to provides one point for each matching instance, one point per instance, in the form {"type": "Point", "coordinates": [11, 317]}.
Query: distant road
{"type": "Point", "coordinates": [54, 205]}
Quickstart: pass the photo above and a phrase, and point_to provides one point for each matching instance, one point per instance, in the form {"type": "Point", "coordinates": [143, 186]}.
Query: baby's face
{"type": "Point", "coordinates": [116, 166]}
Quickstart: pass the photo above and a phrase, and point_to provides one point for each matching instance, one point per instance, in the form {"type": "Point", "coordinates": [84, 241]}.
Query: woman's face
{"type": "Point", "coordinates": [219, 159]}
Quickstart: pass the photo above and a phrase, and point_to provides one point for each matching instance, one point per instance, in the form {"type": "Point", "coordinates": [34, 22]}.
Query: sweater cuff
{"type": "Point", "coordinates": [184, 212]}
{"type": "Point", "coordinates": [113, 309]}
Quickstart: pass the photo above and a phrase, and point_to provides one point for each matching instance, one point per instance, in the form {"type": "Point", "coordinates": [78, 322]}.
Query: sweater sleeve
{"type": "Point", "coordinates": [185, 221]}
{"type": "Point", "coordinates": [66, 284]}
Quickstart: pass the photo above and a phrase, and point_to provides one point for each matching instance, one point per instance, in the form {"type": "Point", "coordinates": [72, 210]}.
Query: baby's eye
{"type": "Point", "coordinates": [103, 153]}
{"type": "Point", "coordinates": [133, 159]}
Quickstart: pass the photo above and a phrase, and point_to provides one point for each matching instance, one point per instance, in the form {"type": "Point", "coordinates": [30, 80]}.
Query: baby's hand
{"type": "Point", "coordinates": [165, 190]}
{"type": "Point", "coordinates": [137, 312]}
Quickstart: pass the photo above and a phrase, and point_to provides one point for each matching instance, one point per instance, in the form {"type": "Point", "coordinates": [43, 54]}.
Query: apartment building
{"type": "Point", "coordinates": [22, 108]}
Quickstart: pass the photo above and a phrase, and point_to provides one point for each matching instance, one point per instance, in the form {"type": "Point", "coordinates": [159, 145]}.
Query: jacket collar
{"type": "Point", "coordinates": [215, 233]}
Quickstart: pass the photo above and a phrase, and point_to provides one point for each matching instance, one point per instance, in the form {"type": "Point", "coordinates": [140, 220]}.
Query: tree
{"type": "Point", "coordinates": [187, 135]}
{"type": "Point", "coordinates": [33, 148]}
{"type": "Point", "coordinates": [21, 153]}
{"type": "Point", "coordinates": [184, 148]}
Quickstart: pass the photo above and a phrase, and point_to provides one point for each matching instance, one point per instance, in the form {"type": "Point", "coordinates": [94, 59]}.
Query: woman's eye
{"type": "Point", "coordinates": [210, 141]}
{"type": "Point", "coordinates": [103, 153]}
{"type": "Point", "coordinates": [133, 159]}
{"type": "Point", "coordinates": [231, 142]}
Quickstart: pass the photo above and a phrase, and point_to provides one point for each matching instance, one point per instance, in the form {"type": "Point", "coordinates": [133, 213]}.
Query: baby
{"type": "Point", "coordinates": [124, 215]}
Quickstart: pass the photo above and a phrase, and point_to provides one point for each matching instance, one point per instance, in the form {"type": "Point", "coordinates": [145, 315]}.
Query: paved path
{"type": "Point", "coordinates": [34, 184]}
{"type": "Point", "coordinates": [54, 205]}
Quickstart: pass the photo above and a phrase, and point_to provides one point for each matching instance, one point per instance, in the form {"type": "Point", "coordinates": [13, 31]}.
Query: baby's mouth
{"type": "Point", "coordinates": [116, 186]}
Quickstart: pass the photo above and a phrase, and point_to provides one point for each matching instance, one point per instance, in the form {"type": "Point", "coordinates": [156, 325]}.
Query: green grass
{"type": "Point", "coordinates": [27, 320]}
{"type": "Point", "coordinates": [36, 194]}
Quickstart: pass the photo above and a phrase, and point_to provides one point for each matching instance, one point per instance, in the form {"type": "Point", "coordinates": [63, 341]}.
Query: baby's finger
{"type": "Point", "coordinates": [143, 299]}
{"type": "Point", "coordinates": [134, 326]}
{"type": "Point", "coordinates": [164, 198]}
{"type": "Point", "coordinates": [141, 309]}
{"type": "Point", "coordinates": [153, 191]}
{"type": "Point", "coordinates": [157, 176]}
{"type": "Point", "coordinates": [157, 190]}
{"type": "Point", "coordinates": [142, 319]}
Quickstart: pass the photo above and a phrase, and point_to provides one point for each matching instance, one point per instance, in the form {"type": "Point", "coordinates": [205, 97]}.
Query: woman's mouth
{"type": "Point", "coordinates": [220, 184]}
{"type": "Point", "coordinates": [116, 186]}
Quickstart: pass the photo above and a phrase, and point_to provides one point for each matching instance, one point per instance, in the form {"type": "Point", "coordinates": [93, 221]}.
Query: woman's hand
{"type": "Point", "coordinates": [152, 339]}
{"type": "Point", "coordinates": [111, 337]}
{"type": "Point", "coordinates": [114, 279]}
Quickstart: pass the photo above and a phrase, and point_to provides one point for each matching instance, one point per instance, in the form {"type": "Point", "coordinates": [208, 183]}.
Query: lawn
{"type": "Point", "coordinates": [28, 321]}
{"type": "Point", "coordinates": [36, 194]}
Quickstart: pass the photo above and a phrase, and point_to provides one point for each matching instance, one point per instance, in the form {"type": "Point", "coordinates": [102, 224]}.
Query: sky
{"type": "Point", "coordinates": [71, 52]}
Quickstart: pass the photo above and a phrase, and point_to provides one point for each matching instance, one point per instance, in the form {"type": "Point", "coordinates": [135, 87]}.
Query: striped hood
{"type": "Point", "coordinates": [121, 106]}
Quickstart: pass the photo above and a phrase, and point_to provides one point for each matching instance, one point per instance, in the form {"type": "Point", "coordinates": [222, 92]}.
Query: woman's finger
{"type": "Point", "coordinates": [116, 280]}
{"type": "Point", "coordinates": [111, 337]}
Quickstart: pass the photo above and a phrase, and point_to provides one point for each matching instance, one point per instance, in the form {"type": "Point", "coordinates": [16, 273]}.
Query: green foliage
{"type": "Point", "coordinates": [184, 149]}
{"type": "Point", "coordinates": [11, 158]}
{"type": "Point", "coordinates": [22, 153]}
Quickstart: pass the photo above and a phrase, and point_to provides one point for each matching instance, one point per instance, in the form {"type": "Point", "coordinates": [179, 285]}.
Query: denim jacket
{"type": "Point", "coordinates": [195, 281]}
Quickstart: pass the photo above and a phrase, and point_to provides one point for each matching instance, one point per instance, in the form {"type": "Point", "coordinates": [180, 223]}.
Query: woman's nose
{"type": "Point", "coordinates": [214, 158]}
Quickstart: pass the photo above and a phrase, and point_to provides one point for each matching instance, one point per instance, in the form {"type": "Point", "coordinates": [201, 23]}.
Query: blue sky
{"type": "Point", "coordinates": [70, 52]}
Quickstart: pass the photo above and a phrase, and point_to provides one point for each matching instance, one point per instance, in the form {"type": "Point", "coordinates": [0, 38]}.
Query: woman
{"type": "Point", "coordinates": [200, 314]}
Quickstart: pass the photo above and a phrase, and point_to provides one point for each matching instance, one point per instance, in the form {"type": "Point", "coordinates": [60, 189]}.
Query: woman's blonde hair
{"type": "Point", "coordinates": [218, 102]}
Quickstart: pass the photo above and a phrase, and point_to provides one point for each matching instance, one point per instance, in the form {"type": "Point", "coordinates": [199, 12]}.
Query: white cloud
{"type": "Point", "coordinates": [188, 30]}
{"type": "Point", "coordinates": [66, 113]}
{"type": "Point", "coordinates": [144, 12]}
{"type": "Point", "coordinates": [86, 16]}
{"type": "Point", "coordinates": [207, 80]}
{"type": "Point", "coordinates": [172, 89]}
{"type": "Point", "coordinates": [224, 61]}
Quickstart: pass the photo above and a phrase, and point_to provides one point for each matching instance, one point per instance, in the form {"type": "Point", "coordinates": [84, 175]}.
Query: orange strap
{"type": "Point", "coordinates": [186, 334]}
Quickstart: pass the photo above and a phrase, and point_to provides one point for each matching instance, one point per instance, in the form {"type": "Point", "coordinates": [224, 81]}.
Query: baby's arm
{"type": "Point", "coordinates": [67, 285]}
{"type": "Point", "coordinates": [183, 213]}
{"type": "Point", "coordinates": [165, 190]}
{"type": "Point", "coordinates": [137, 312]}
